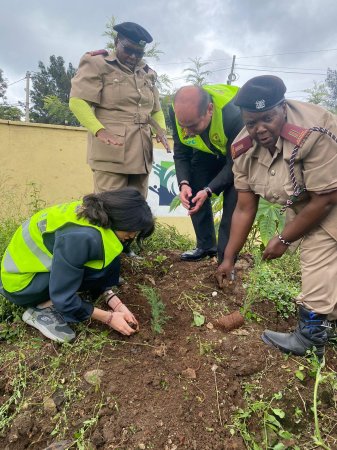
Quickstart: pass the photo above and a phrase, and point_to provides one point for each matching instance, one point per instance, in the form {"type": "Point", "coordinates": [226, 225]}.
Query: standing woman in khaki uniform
{"type": "Point", "coordinates": [287, 154]}
{"type": "Point", "coordinates": [114, 96]}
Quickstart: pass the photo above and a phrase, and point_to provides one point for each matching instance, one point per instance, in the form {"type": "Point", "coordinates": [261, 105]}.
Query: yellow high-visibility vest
{"type": "Point", "coordinates": [27, 255]}
{"type": "Point", "coordinates": [221, 95]}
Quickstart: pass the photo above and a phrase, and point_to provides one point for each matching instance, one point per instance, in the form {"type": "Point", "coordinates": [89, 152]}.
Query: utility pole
{"type": "Point", "coordinates": [231, 75]}
{"type": "Point", "coordinates": [27, 97]}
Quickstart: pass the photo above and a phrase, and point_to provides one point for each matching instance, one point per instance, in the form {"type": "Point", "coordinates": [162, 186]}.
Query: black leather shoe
{"type": "Point", "coordinates": [196, 254]}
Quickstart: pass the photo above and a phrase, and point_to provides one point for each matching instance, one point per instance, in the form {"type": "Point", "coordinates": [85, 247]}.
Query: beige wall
{"type": "Point", "coordinates": [54, 158]}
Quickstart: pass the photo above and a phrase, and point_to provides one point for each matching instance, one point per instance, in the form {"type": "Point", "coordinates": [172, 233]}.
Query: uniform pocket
{"type": "Point", "coordinates": [111, 153]}
{"type": "Point", "coordinates": [114, 88]}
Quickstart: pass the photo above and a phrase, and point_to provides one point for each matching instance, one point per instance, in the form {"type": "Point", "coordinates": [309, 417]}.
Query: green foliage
{"type": "Point", "coordinates": [12, 406]}
{"type": "Point", "coordinates": [53, 81]}
{"type": "Point", "coordinates": [59, 111]}
{"type": "Point", "coordinates": [269, 220]}
{"type": "Point", "coordinates": [10, 112]}
{"type": "Point", "coordinates": [159, 317]}
{"type": "Point", "coordinates": [325, 94]}
{"type": "Point", "coordinates": [7, 112]}
{"type": "Point", "coordinates": [195, 74]}
{"type": "Point", "coordinates": [167, 237]}
{"type": "Point", "coordinates": [198, 319]}
{"type": "Point", "coordinates": [3, 85]}
{"type": "Point", "coordinates": [269, 417]}
{"type": "Point", "coordinates": [277, 281]}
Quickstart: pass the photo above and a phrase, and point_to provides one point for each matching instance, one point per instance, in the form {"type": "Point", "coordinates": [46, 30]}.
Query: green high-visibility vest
{"type": "Point", "coordinates": [221, 95]}
{"type": "Point", "coordinates": [27, 255]}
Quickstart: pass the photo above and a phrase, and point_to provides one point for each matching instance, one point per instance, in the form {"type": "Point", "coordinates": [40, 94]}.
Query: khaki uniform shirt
{"type": "Point", "coordinates": [268, 175]}
{"type": "Point", "coordinates": [122, 101]}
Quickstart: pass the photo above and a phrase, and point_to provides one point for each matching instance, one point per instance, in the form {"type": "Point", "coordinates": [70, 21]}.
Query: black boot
{"type": "Point", "coordinates": [311, 332]}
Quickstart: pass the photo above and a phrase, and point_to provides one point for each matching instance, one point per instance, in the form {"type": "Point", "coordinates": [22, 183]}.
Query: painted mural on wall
{"type": "Point", "coordinates": [163, 186]}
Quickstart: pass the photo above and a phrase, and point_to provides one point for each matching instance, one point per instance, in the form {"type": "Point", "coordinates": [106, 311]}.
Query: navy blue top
{"type": "Point", "coordinates": [71, 246]}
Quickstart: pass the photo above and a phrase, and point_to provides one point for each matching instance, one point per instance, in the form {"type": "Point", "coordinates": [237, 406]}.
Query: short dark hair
{"type": "Point", "coordinates": [121, 210]}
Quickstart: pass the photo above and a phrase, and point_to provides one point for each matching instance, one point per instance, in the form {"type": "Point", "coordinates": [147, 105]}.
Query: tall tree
{"type": "Point", "coordinates": [325, 94]}
{"type": "Point", "coordinates": [331, 82]}
{"type": "Point", "coordinates": [7, 112]}
{"type": "Point", "coordinates": [3, 86]}
{"type": "Point", "coordinates": [52, 82]}
{"type": "Point", "coordinates": [196, 75]}
{"type": "Point", "coordinates": [317, 94]}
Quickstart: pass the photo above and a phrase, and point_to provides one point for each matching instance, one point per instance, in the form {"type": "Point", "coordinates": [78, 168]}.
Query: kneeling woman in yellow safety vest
{"type": "Point", "coordinates": [70, 248]}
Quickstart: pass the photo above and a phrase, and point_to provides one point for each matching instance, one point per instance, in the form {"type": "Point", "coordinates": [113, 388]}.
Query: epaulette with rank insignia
{"type": "Point", "coordinates": [294, 134]}
{"type": "Point", "coordinates": [148, 69]}
{"type": "Point", "coordinates": [99, 52]}
{"type": "Point", "coordinates": [241, 146]}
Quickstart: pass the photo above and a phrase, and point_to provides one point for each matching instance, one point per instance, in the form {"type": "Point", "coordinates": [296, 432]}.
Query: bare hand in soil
{"type": "Point", "coordinates": [225, 272]}
{"type": "Point", "coordinates": [129, 317]}
{"type": "Point", "coordinates": [121, 322]}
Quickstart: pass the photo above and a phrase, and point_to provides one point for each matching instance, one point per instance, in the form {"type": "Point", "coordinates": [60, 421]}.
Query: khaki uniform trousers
{"type": "Point", "coordinates": [108, 181]}
{"type": "Point", "coordinates": [319, 273]}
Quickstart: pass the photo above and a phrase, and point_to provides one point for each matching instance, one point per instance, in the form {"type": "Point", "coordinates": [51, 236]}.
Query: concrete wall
{"type": "Point", "coordinates": [54, 159]}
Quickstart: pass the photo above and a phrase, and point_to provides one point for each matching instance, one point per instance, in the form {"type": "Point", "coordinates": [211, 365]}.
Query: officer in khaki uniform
{"type": "Point", "coordinates": [114, 96]}
{"type": "Point", "coordinates": [287, 154]}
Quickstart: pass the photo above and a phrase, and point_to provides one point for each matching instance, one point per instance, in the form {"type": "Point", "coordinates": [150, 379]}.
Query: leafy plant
{"type": "Point", "coordinates": [269, 220]}
{"type": "Point", "coordinates": [273, 281]}
{"type": "Point", "coordinates": [198, 319]}
{"type": "Point", "coordinates": [269, 416]}
{"type": "Point", "coordinates": [158, 314]}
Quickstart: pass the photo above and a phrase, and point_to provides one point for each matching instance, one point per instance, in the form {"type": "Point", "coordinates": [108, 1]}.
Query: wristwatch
{"type": "Point", "coordinates": [208, 191]}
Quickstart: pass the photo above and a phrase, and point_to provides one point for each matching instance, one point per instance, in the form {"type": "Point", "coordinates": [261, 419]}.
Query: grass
{"type": "Point", "coordinates": [263, 420]}
{"type": "Point", "coordinates": [277, 281]}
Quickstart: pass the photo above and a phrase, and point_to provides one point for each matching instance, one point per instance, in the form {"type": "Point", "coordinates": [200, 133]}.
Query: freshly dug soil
{"type": "Point", "coordinates": [169, 391]}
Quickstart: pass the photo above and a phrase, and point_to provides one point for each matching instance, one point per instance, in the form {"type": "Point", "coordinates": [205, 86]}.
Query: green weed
{"type": "Point", "coordinates": [274, 281]}
{"type": "Point", "coordinates": [268, 415]}
{"type": "Point", "coordinates": [19, 382]}
{"type": "Point", "coordinates": [167, 237]}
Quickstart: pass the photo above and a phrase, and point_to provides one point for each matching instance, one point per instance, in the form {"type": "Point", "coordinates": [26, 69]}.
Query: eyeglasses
{"type": "Point", "coordinates": [132, 51]}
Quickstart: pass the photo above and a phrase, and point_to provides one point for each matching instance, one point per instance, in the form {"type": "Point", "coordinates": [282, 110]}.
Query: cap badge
{"type": "Point", "coordinates": [260, 104]}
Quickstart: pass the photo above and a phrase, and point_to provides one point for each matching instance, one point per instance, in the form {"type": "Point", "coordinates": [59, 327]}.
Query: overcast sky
{"type": "Point", "coordinates": [294, 39]}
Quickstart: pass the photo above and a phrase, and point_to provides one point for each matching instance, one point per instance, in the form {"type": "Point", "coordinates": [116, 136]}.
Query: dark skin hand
{"type": "Point", "coordinates": [311, 215]}
{"type": "Point", "coordinates": [265, 128]}
{"type": "Point", "coordinates": [242, 221]}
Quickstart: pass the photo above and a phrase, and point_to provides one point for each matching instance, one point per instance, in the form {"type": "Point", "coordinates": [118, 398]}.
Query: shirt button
{"type": "Point", "coordinates": [139, 105]}
{"type": "Point", "coordinates": [276, 196]}
{"type": "Point", "coordinates": [272, 172]}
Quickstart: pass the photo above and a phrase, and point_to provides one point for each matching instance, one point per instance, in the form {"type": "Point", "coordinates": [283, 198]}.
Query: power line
{"type": "Point", "coordinates": [280, 71]}
{"type": "Point", "coordinates": [14, 82]}
{"type": "Point", "coordinates": [289, 53]}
